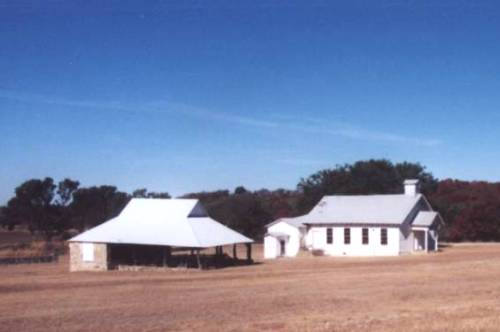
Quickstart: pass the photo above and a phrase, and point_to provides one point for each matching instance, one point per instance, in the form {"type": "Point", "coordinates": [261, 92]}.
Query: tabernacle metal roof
{"type": "Point", "coordinates": [168, 222]}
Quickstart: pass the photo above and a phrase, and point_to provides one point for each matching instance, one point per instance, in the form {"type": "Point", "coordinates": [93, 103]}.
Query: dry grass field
{"type": "Point", "coordinates": [457, 289]}
{"type": "Point", "coordinates": [20, 243]}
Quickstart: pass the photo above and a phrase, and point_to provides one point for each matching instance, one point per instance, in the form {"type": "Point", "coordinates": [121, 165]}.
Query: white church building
{"type": "Point", "coordinates": [359, 225]}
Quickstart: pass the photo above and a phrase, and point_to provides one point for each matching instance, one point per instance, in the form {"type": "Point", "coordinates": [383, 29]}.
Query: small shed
{"type": "Point", "coordinates": [146, 232]}
{"type": "Point", "coordinates": [284, 238]}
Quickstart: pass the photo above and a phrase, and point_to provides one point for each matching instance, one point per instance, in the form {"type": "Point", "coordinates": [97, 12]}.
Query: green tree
{"type": "Point", "coordinates": [158, 195]}
{"type": "Point", "coordinates": [4, 222]}
{"type": "Point", "coordinates": [32, 206]}
{"type": "Point", "coordinates": [471, 210]}
{"type": "Point", "coordinates": [244, 213]}
{"type": "Point", "coordinates": [143, 193]}
{"type": "Point", "coordinates": [95, 205]}
{"type": "Point", "coordinates": [65, 190]}
{"type": "Point", "coordinates": [140, 193]}
{"type": "Point", "coordinates": [207, 197]}
{"type": "Point", "coordinates": [240, 190]}
{"type": "Point", "coordinates": [363, 177]}
{"type": "Point", "coordinates": [406, 170]}
{"type": "Point", "coordinates": [279, 203]}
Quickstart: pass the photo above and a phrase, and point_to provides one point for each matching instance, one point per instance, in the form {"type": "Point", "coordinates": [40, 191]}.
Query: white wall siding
{"type": "Point", "coordinates": [292, 246]}
{"type": "Point", "coordinates": [356, 247]}
{"type": "Point", "coordinates": [271, 247]}
{"type": "Point", "coordinates": [406, 240]}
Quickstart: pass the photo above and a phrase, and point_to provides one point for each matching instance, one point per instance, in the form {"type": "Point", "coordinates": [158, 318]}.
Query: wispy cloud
{"type": "Point", "coordinates": [40, 99]}
{"type": "Point", "coordinates": [357, 133]}
{"type": "Point", "coordinates": [275, 121]}
{"type": "Point", "coordinates": [162, 106]}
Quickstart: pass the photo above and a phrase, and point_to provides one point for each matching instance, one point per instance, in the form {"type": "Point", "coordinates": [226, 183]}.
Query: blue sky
{"type": "Point", "coordinates": [201, 95]}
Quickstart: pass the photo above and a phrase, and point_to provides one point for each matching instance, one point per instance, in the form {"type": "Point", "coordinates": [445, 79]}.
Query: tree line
{"type": "Point", "coordinates": [471, 210]}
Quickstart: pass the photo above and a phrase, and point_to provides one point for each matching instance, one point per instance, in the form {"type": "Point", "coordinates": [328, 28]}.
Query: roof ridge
{"type": "Point", "coordinates": [372, 195]}
{"type": "Point", "coordinates": [164, 199]}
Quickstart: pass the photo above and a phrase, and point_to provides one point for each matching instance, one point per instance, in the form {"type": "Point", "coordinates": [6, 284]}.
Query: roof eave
{"type": "Point", "coordinates": [357, 224]}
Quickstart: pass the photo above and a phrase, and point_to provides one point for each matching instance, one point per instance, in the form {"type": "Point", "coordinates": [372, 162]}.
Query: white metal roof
{"type": "Point", "coordinates": [426, 219]}
{"type": "Point", "coordinates": [295, 222]}
{"type": "Point", "coordinates": [278, 235]}
{"type": "Point", "coordinates": [169, 222]}
{"type": "Point", "coordinates": [362, 209]}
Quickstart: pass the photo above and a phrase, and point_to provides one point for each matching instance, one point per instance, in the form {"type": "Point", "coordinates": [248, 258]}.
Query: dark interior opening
{"type": "Point", "coordinates": [129, 254]}
{"type": "Point", "coordinates": [164, 256]}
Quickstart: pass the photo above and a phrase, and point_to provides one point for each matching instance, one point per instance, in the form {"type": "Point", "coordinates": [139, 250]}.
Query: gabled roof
{"type": "Point", "coordinates": [427, 219]}
{"type": "Point", "coordinates": [278, 235]}
{"type": "Point", "coordinates": [362, 209]}
{"type": "Point", "coordinates": [169, 222]}
{"type": "Point", "coordinates": [295, 222]}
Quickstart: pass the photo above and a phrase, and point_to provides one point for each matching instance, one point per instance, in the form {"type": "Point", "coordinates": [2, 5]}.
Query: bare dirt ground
{"type": "Point", "coordinates": [457, 289]}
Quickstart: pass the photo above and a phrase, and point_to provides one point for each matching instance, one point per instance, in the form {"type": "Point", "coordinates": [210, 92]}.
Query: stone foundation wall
{"type": "Point", "coordinates": [76, 263]}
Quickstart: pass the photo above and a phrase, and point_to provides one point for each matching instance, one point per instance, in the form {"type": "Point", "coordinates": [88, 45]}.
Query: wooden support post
{"type": "Point", "coordinates": [249, 253]}
{"type": "Point", "coordinates": [436, 244]}
{"type": "Point", "coordinates": [216, 256]}
{"type": "Point", "coordinates": [426, 241]}
{"type": "Point", "coordinates": [167, 252]}
{"type": "Point", "coordinates": [134, 258]}
{"type": "Point", "coordinates": [235, 252]}
{"type": "Point", "coordinates": [108, 257]}
{"type": "Point", "coordinates": [198, 259]}
{"type": "Point", "coordinates": [164, 256]}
